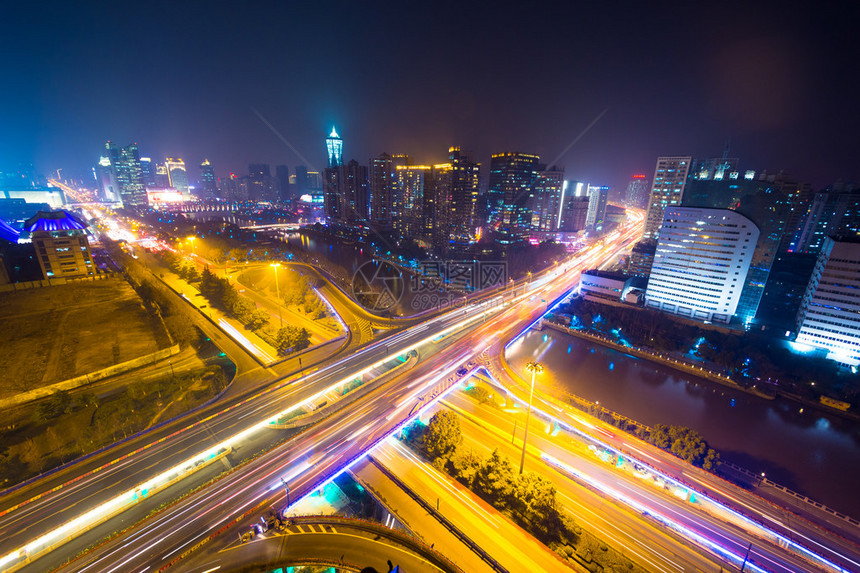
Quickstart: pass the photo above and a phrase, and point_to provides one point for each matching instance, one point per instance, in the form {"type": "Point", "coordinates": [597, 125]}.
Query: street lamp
{"type": "Point", "coordinates": [191, 240]}
{"type": "Point", "coordinates": [278, 291]}
{"type": "Point", "coordinates": [535, 368]}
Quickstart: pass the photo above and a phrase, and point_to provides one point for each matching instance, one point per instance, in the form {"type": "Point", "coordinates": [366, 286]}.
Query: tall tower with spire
{"type": "Point", "coordinates": [334, 146]}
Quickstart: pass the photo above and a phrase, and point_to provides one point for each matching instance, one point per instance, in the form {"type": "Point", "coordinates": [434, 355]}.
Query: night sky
{"type": "Point", "coordinates": [183, 79]}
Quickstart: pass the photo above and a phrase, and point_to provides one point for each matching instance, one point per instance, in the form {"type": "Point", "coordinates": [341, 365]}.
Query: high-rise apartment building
{"type": "Point", "coordinates": [829, 315]}
{"type": "Point", "coordinates": [454, 194]}
{"type": "Point", "coordinates": [345, 193]}
{"type": "Point", "coordinates": [61, 244]}
{"type": "Point", "coordinates": [834, 211]}
{"type": "Point", "coordinates": [334, 147]}
{"type": "Point", "coordinates": [637, 192]}
{"type": "Point", "coordinates": [410, 182]}
{"type": "Point", "coordinates": [511, 191]}
{"type": "Point", "coordinates": [381, 190]}
{"type": "Point", "coordinates": [701, 263]}
{"type": "Point", "coordinates": [177, 174]}
{"type": "Point", "coordinates": [667, 190]}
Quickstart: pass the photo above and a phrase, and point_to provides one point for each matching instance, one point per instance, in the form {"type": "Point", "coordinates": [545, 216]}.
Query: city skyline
{"type": "Point", "coordinates": [753, 88]}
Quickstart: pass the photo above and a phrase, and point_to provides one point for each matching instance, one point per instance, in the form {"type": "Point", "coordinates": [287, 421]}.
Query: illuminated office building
{"type": "Point", "coordinates": [829, 315]}
{"type": "Point", "coordinates": [511, 191]}
{"type": "Point", "coordinates": [61, 244]}
{"type": "Point", "coordinates": [208, 182]}
{"type": "Point", "coordinates": [701, 263]}
{"type": "Point", "coordinates": [177, 174]}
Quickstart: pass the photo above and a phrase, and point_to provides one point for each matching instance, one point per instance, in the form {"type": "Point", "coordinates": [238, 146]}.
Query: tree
{"type": "Point", "coordinates": [465, 465]}
{"type": "Point", "coordinates": [257, 319]}
{"type": "Point", "coordinates": [183, 332]}
{"type": "Point", "coordinates": [685, 443]}
{"type": "Point", "coordinates": [534, 501]}
{"type": "Point", "coordinates": [495, 480]}
{"type": "Point", "coordinates": [443, 435]}
{"type": "Point", "coordinates": [292, 338]}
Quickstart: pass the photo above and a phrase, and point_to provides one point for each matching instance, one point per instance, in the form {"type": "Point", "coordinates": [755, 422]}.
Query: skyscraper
{"type": "Point", "coordinates": [410, 182]}
{"type": "Point", "coordinates": [261, 183]}
{"type": "Point", "coordinates": [637, 192]}
{"type": "Point", "coordinates": [667, 190]}
{"type": "Point", "coordinates": [381, 190]}
{"type": "Point", "coordinates": [334, 147]}
{"type": "Point", "coordinates": [829, 315]}
{"type": "Point", "coordinates": [345, 193]}
{"type": "Point", "coordinates": [701, 263]}
{"type": "Point", "coordinates": [511, 191]}
{"type": "Point", "coordinates": [106, 177]}
{"type": "Point", "coordinates": [597, 198]}
{"type": "Point", "coordinates": [285, 190]}
{"type": "Point", "coordinates": [573, 207]}
{"type": "Point", "coordinates": [208, 182]}
{"type": "Point", "coordinates": [768, 203]}
{"type": "Point", "coordinates": [548, 190]}
{"type": "Point", "coordinates": [124, 165]}
{"type": "Point", "coordinates": [177, 174]}
{"type": "Point", "coordinates": [162, 179]}
{"type": "Point", "coordinates": [147, 172]}
{"type": "Point", "coordinates": [834, 211]}
{"type": "Point", "coordinates": [460, 194]}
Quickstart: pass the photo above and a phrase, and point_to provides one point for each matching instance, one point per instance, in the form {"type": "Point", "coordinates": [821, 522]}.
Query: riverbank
{"type": "Point", "coordinates": [660, 358]}
{"type": "Point", "coordinates": [701, 372]}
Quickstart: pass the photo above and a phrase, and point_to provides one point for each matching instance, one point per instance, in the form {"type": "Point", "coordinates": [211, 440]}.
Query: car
{"type": "Point", "coordinates": [462, 371]}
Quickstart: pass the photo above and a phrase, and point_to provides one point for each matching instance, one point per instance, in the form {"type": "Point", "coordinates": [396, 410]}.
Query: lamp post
{"type": "Point", "coordinates": [535, 368]}
{"type": "Point", "coordinates": [278, 291]}
{"type": "Point", "coordinates": [191, 240]}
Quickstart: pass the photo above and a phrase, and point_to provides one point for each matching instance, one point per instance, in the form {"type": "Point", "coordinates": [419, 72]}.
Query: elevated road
{"type": "Point", "coordinates": [306, 460]}
{"type": "Point", "coordinates": [326, 541]}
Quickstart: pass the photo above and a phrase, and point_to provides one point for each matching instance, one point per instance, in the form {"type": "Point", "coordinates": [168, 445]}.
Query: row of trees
{"type": "Point", "coordinates": [529, 498]}
{"type": "Point", "coordinates": [222, 295]}
{"type": "Point", "coordinates": [685, 443]}
{"type": "Point", "coordinates": [180, 266]}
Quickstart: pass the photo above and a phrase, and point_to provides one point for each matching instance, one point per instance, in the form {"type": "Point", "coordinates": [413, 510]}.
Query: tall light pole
{"type": "Point", "coordinates": [535, 368]}
{"type": "Point", "coordinates": [278, 291]}
{"type": "Point", "coordinates": [191, 240]}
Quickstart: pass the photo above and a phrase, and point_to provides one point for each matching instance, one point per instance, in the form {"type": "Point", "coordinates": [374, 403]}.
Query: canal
{"type": "Point", "coordinates": [801, 448]}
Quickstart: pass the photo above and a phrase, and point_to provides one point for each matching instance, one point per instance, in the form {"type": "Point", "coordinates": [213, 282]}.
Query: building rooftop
{"type": "Point", "coordinates": [606, 274]}
{"type": "Point", "coordinates": [53, 221]}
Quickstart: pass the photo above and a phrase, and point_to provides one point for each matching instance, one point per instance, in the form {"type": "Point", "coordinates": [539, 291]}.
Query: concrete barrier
{"type": "Point", "coordinates": [44, 283]}
{"type": "Point", "coordinates": [84, 379]}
